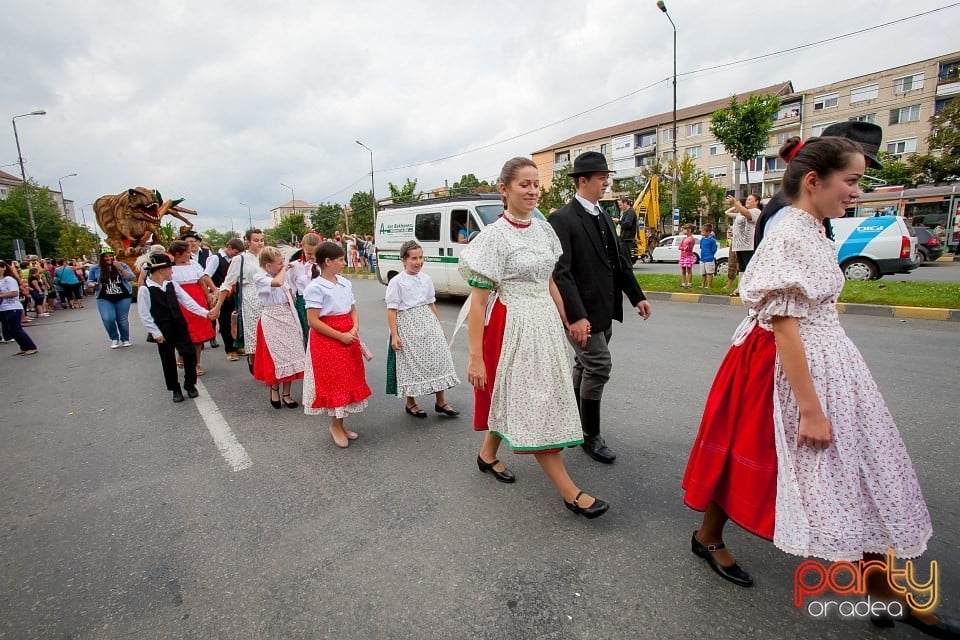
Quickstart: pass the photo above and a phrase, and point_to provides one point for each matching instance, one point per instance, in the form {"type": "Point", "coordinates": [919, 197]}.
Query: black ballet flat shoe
{"type": "Point", "coordinates": [502, 476]}
{"type": "Point", "coordinates": [597, 509]}
{"type": "Point", "coordinates": [191, 391]}
{"type": "Point", "coordinates": [734, 573]}
{"type": "Point", "coordinates": [942, 628]}
{"type": "Point", "coordinates": [178, 395]}
{"type": "Point", "coordinates": [276, 404]}
{"type": "Point", "coordinates": [293, 404]}
{"type": "Point", "coordinates": [447, 412]}
{"type": "Point", "coordinates": [419, 413]}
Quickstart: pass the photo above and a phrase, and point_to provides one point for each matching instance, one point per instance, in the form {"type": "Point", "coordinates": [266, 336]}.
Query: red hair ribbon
{"type": "Point", "coordinates": [793, 152]}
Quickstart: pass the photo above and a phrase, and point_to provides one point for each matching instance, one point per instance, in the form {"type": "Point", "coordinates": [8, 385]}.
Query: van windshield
{"type": "Point", "coordinates": [490, 212]}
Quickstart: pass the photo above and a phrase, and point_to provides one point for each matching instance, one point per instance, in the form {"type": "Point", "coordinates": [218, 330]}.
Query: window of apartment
{"type": "Point", "coordinates": [645, 161]}
{"type": "Point", "coordinates": [940, 104]}
{"type": "Point", "coordinates": [775, 164]}
{"type": "Point", "coordinates": [897, 147]}
{"type": "Point", "coordinates": [717, 172]}
{"type": "Point", "coordinates": [826, 101]}
{"type": "Point", "coordinates": [949, 72]}
{"type": "Point", "coordinates": [605, 148]}
{"type": "Point", "coordinates": [692, 152]}
{"type": "Point", "coordinates": [667, 135]}
{"type": "Point", "coordinates": [577, 152]}
{"type": "Point", "coordinates": [561, 157]}
{"type": "Point", "coordinates": [755, 164]}
{"type": "Point", "coordinates": [905, 114]}
{"type": "Point", "coordinates": [646, 139]}
{"type": "Point", "coordinates": [864, 93]}
{"type": "Point", "coordinates": [912, 82]}
{"type": "Point", "coordinates": [667, 155]}
{"type": "Point", "coordinates": [817, 129]}
{"type": "Point", "coordinates": [791, 110]}
{"type": "Point", "coordinates": [783, 136]}
{"type": "Point", "coordinates": [866, 117]}
{"type": "Point", "coordinates": [695, 129]}
{"type": "Point", "coordinates": [717, 149]}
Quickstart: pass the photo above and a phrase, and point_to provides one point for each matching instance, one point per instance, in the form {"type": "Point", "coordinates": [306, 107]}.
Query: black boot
{"type": "Point", "coordinates": [177, 394]}
{"type": "Point", "coordinates": [593, 443]}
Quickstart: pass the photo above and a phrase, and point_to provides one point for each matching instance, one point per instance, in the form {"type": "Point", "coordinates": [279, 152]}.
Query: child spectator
{"type": "Point", "coordinates": [708, 260]}
{"type": "Point", "coordinates": [687, 257]}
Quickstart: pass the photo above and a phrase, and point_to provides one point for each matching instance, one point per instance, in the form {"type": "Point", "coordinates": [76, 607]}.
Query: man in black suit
{"type": "Point", "coordinates": [592, 276]}
{"type": "Point", "coordinates": [628, 227]}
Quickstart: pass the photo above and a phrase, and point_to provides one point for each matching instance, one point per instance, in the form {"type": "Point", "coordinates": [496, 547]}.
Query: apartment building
{"type": "Point", "coordinates": [291, 208]}
{"type": "Point", "coordinates": [65, 206]}
{"type": "Point", "coordinates": [901, 100]}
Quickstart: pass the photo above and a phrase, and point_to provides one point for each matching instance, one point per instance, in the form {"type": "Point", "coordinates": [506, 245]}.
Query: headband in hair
{"type": "Point", "coordinates": [793, 152]}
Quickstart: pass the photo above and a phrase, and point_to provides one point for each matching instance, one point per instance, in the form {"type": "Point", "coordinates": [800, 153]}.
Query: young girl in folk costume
{"type": "Point", "coordinates": [843, 487]}
{"type": "Point", "coordinates": [302, 270]}
{"type": "Point", "coordinates": [687, 257]}
{"type": "Point", "coordinates": [334, 382]}
{"type": "Point", "coordinates": [190, 276]}
{"type": "Point", "coordinates": [519, 365]}
{"type": "Point", "coordinates": [164, 307]}
{"type": "Point", "coordinates": [280, 354]}
{"type": "Point", "coordinates": [419, 361]}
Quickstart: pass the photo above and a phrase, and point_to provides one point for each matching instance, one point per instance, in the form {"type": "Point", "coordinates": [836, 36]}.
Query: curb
{"type": "Point", "coordinates": [882, 311]}
{"type": "Point", "coordinates": [946, 258]}
{"type": "Point", "coordinates": [359, 276]}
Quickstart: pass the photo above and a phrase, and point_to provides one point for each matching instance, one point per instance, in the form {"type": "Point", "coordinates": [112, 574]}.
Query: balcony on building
{"type": "Point", "coordinates": [948, 80]}
{"type": "Point", "coordinates": [645, 143]}
{"type": "Point", "coordinates": [788, 113]}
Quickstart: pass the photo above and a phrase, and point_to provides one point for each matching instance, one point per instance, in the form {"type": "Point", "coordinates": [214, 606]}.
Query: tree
{"type": "Point", "coordinates": [744, 127]}
{"type": "Point", "coordinates": [468, 183]}
{"type": "Point", "coordinates": [945, 141]}
{"type": "Point", "coordinates": [77, 241]}
{"type": "Point", "coordinates": [326, 218]}
{"type": "Point", "coordinates": [404, 193]}
{"type": "Point", "coordinates": [560, 192]}
{"type": "Point", "coordinates": [893, 172]}
{"type": "Point", "coordinates": [167, 233]}
{"type": "Point", "coordinates": [361, 211]}
{"type": "Point", "coordinates": [15, 220]}
{"type": "Point", "coordinates": [216, 239]}
{"type": "Point", "coordinates": [289, 230]}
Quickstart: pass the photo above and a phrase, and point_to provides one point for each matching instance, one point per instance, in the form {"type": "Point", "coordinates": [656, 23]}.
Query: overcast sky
{"type": "Point", "coordinates": [219, 102]}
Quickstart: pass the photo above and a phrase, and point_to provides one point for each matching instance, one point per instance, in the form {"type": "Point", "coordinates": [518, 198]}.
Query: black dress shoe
{"type": "Point", "coordinates": [597, 449]}
{"type": "Point", "coordinates": [734, 573]}
{"type": "Point", "coordinates": [293, 404]}
{"type": "Point", "coordinates": [419, 413]}
{"type": "Point", "coordinates": [276, 404]}
{"type": "Point", "coordinates": [447, 412]}
{"type": "Point", "coordinates": [597, 509]}
{"type": "Point", "coordinates": [943, 628]}
{"type": "Point", "coordinates": [502, 476]}
{"type": "Point", "coordinates": [177, 395]}
{"type": "Point", "coordinates": [214, 344]}
{"type": "Point", "coordinates": [191, 391]}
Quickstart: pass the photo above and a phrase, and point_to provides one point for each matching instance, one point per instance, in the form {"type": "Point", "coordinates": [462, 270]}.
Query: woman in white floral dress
{"type": "Point", "coordinates": [519, 365]}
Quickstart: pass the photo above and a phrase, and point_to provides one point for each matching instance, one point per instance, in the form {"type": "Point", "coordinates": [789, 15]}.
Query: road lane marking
{"type": "Point", "coordinates": [227, 443]}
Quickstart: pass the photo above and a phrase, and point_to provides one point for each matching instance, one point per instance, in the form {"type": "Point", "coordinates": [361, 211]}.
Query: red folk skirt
{"type": "Point", "coordinates": [337, 378]}
{"type": "Point", "coordinates": [264, 368]}
{"type": "Point", "coordinates": [492, 345]}
{"type": "Point", "coordinates": [734, 458]}
{"type": "Point", "coordinates": [199, 327]}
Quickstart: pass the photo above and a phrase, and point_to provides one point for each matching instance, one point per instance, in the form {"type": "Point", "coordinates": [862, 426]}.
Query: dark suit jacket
{"type": "Point", "coordinates": [590, 287]}
{"type": "Point", "coordinates": [628, 226]}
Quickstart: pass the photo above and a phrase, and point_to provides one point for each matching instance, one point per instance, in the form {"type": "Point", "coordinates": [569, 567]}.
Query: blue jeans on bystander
{"type": "Point", "coordinates": [114, 317]}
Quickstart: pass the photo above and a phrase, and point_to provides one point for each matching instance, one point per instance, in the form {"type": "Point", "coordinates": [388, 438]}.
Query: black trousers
{"type": "Point", "coordinates": [225, 338]}
{"type": "Point", "coordinates": [168, 359]}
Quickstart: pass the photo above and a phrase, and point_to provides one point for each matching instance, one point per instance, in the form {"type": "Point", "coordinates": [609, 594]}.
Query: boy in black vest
{"type": "Point", "coordinates": [158, 303]}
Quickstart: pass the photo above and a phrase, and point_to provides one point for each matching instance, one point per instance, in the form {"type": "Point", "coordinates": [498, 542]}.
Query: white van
{"type": "Point", "coordinates": [868, 248]}
{"type": "Point", "coordinates": [442, 226]}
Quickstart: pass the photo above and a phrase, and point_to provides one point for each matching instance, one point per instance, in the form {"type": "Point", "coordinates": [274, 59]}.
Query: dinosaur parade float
{"type": "Point", "coordinates": [132, 220]}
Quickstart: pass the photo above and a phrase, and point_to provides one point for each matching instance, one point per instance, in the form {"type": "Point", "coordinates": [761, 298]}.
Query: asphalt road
{"type": "Point", "coordinates": [121, 519]}
{"type": "Point", "coordinates": [927, 272]}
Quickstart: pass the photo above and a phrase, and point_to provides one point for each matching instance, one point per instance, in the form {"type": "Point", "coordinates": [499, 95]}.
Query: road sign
{"type": "Point", "coordinates": [676, 220]}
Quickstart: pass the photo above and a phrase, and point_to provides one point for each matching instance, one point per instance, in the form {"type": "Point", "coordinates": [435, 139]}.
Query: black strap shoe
{"type": "Point", "coordinates": [502, 476]}
{"type": "Point", "coordinates": [597, 449]}
{"type": "Point", "coordinates": [597, 509]}
{"type": "Point", "coordinates": [733, 573]}
{"type": "Point", "coordinates": [446, 410]}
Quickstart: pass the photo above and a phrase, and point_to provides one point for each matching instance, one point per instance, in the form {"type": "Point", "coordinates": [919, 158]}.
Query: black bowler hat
{"type": "Point", "coordinates": [191, 234]}
{"type": "Point", "coordinates": [158, 261]}
{"type": "Point", "coordinates": [590, 162]}
{"type": "Point", "coordinates": [866, 134]}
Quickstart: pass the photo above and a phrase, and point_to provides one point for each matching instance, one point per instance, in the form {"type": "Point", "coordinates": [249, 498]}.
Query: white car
{"type": "Point", "coordinates": [668, 250]}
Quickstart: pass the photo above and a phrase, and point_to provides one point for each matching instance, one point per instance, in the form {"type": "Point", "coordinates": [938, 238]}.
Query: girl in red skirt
{"type": "Point", "coordinates": [198, 285]}
{"type": "Point", "coordinates": [334, 382]}
{"type": "Point", "coordinates": [279, 358]}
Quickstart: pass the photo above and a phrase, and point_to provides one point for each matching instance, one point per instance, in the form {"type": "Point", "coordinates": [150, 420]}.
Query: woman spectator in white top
{"type": "Point", "coordinates": [11, 309]}
{"type": "Point", "coordinates": [744, 223]}
{"type": "Point", "coordinates": [419, 361]}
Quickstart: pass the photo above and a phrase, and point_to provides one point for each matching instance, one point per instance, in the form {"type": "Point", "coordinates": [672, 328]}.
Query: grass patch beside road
{"type": "Point", "coordinates": [886, 291]}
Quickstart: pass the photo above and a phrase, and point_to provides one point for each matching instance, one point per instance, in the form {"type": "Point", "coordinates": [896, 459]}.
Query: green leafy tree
{"type": "Point", "coordinates": [361, 211]}
{"type": "Point", "coordinates": [15, 221]}
{"type": "Point", "coordinates": [216, 239]}
{"type": "Point", "coordinates": [893, 172]}
{"type": "Point", "coordinates": [76, 241]}
{"type": "Point", "coordinates": [167, 233]}
{"type": "Point", "coordinates": [744, 127]}
{"type": "Point", "coordinates": [469, 183]}
{"type": "Point", "coordinates": [405, 193]}
{"type": "Point", "coordinates": [326, 218]}
{"type": "Point", "coordinates": [561, 192]}
{"type": "Point", "coordinates": [943, 165]}
{"type": "Point", "coordinates": [288, 231]}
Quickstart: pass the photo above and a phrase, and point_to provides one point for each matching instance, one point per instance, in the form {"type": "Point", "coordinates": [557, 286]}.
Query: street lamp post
{"type": "Point", "coordinates": [249, 215]}
{"type": "Point", "coordinates": [676, 160]}
{"type": "Point", "coordinates": [23, 174]}
{"type": "Point", "coordinates": [373, 197]}
{"type": "Point", "coordinates": [63, 200]}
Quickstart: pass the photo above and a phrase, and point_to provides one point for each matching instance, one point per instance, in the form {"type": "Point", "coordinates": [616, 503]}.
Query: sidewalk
{"type": "Point", "coordinates": [884, 311]}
